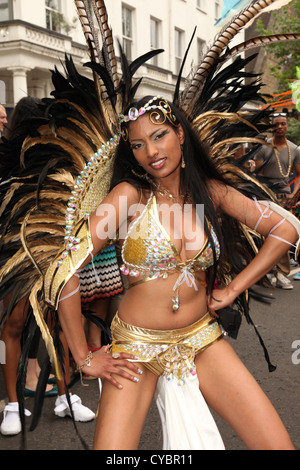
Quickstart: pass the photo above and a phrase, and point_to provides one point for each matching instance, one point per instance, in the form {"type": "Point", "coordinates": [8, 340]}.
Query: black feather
{"type": "Point", "coordinates": [137, 63]}
{"type": "Point", "coordinates": [104, 75]}
{"type": "Point", "coordinates": [178, 82]}
{"type": "Point", "coordinates": [40, 393]}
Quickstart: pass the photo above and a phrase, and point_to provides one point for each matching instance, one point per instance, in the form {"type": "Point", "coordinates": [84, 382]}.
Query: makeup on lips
{"type": "Point", "coordinates": [158, 164]}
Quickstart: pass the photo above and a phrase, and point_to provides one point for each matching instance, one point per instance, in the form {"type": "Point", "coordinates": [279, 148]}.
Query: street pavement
{"type": "Point", "coordinates": [278, 325]}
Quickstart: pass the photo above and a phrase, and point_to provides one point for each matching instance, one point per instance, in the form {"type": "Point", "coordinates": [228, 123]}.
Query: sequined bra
{"type": "Point", "coordinates": [149, 252]}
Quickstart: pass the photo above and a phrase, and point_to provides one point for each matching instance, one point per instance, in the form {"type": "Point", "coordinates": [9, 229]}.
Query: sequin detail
{"type": "Point", "coordinates": [148, 252]}
{"type": "Point", "coordinates": [83, 181]}
{"type": "Point", "coordinates": [176, 360]}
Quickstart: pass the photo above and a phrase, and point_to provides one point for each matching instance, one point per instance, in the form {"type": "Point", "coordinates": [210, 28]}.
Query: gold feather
{"type": "Point", "coordinates": [48, 198]}
{"type": "Point", "coordinates": [100, 132]}
{"type": "Point", "coordinates": [50, 227]}
{"type": "Point", "coordinates": [69, 148]}
{"type": "Point", "coordinates": [63, 176]}
{"type": "Point", "coordinates": [8, 196]}
{"type": "Point", "coordinates": [20, 256]}
{"type": "Point", "coordinates": [80, 145]}
{"type": "Point", "coordinates": [235, 140]}
{"type": "Point", "coordinates": [38, 314]}
{"type": "Point", "coordinates": [24, 242]}
{"type": "Point", "coordinates": [41, 218]}
{"type": "Point", "coordinates": [212, 118]}
{"type": "Point", "coordinates": [14, 261]}
{"type": "Point", "coordinates": [45, 228]}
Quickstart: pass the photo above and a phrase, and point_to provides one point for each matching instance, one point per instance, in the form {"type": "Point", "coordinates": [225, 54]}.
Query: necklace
{"type": "Point", "coordinates": [278, 160]}
{"type": "Point", "coordinates": [168, 195]}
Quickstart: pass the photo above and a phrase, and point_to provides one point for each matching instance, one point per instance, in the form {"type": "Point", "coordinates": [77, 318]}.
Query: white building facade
{"type": "Point", "coordinates": [36, 34]}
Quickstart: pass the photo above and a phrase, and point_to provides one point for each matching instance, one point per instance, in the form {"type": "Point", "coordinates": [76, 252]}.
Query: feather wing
{"type": "Point", "coordinates": [221, 43]}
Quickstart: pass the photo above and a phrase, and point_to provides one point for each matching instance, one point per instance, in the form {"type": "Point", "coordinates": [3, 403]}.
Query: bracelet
{"type": "Point", "coordinates": [87, 362]}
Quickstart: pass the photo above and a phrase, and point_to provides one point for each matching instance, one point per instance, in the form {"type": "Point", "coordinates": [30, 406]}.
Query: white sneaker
{"type": "Point", "coordinates": [11, 424]}
{"type": "Point", "coordinates": [283, 282]}
{"type": "Point", "coordinates": [272, 279]}
{"type": "Point", "coordinates": [81, 413]}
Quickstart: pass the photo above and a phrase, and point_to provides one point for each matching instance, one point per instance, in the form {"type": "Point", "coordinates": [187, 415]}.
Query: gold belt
{"type": "Point", "coordinates": [168, 352]}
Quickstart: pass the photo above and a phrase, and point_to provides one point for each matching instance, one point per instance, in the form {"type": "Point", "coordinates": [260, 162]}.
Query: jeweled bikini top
{"type": "Point", "coordinates": [149, 252]}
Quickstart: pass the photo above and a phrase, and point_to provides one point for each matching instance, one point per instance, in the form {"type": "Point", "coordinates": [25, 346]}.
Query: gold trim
{"type": "Point", "coordinates": [152, 346]}
{"type": "Point", "coordinates": [67, 262]}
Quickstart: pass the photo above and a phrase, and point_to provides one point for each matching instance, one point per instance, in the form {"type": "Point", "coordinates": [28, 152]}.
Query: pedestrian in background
{"type": "Point", "coordinates": [3, 118]}
{"type": "Point", "coordinates": [276, 162]}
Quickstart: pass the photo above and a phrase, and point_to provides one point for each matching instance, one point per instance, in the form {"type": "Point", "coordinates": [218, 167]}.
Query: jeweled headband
{"type": "Point", "coordinates": [159, 111]}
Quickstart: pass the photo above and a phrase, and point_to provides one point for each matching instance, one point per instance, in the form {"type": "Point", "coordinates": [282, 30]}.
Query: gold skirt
{"type": "Point", "coordinates": [167, 352]}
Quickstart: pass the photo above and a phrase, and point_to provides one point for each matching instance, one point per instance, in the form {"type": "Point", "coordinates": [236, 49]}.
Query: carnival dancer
{"type": "Point", "coordinates": [166, 318]}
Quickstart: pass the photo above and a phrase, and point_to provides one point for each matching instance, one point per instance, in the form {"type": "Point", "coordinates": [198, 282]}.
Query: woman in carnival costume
{"type": "Point", "coordinates": [182, 268]}
{"type": "Point", "coordinates": [177, 337]}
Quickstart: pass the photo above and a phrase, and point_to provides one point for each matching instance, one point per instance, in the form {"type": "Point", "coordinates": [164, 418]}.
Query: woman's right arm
{"type": "Point", "coordinates": [103, 222]}
{"type": "Point", "coordinates": [279, 236]}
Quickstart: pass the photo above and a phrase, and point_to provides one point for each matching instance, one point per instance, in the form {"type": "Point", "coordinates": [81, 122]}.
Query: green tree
{"type": "Point", "coordinates": [293, 133]}
{"type": "Point", "coordinates": [287, 54]}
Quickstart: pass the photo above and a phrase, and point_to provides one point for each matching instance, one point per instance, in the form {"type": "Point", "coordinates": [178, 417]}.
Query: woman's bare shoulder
{"type": "Point", "coordinates": [127, 190]}
{"type": "Point", "coordinates": [134, 195]}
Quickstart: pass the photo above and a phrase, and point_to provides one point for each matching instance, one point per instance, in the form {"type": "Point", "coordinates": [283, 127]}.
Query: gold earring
{"type": "Point", "coordinates": [182, 159]}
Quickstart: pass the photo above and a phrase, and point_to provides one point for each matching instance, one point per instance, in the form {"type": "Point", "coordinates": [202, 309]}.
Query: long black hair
{"type": "Point", "coordinates": [195, 177]}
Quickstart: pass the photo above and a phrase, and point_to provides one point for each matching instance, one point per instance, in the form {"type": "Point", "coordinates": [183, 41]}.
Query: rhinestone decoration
{"type": "Point", "coordinates": [102, 154]}
{"type": "Point", "coordinates": [177, 360]}
{"type": "Point", "coordinates": [159, 258]}
{"type": "Point", "coordinates": [155, 255]}
{"type": "Point", "coordinates": [134, 113]}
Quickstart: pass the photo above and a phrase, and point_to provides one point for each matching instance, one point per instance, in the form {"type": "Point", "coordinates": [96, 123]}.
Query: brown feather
{"type": "Point", "coordinates": [221, 42]}
{"type": "Point", "coordinates": [260, 41]}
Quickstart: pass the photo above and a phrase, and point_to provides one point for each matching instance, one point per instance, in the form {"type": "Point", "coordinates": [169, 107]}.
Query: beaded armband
{"type": "Point", "coordinates": [286, 215]}
{"type": "Point", "coordinates": [77, 248]}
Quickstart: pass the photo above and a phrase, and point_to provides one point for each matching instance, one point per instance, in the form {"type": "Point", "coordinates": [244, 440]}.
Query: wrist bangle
{"type": "Point", "coordinates": [87, 362]}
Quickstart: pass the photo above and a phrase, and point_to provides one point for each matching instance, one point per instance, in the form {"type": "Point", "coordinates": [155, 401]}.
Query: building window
{"type": "Point", "coordinates": [201, 4]}
{"type": "Point", "coordinates": [5, 10]}
{"type": "Point", "coordinates": [200, 49]}
{"type": "Point", "coordinates": [154, 38]}
{"type": "Point", "coordinates": [127, 32]}
{"type": "Point", "coordinates": [178, 49]}
{"type": "Point", "coordinates": [53, 15]}
{"type": "Point", "coordinates": [2, 92]}
{"type": "Point", "coordinates": [217, 9]}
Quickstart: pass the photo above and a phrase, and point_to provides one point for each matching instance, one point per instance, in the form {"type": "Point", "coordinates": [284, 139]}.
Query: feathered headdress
{"type": "Point", "coordinates": [60, 170]}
